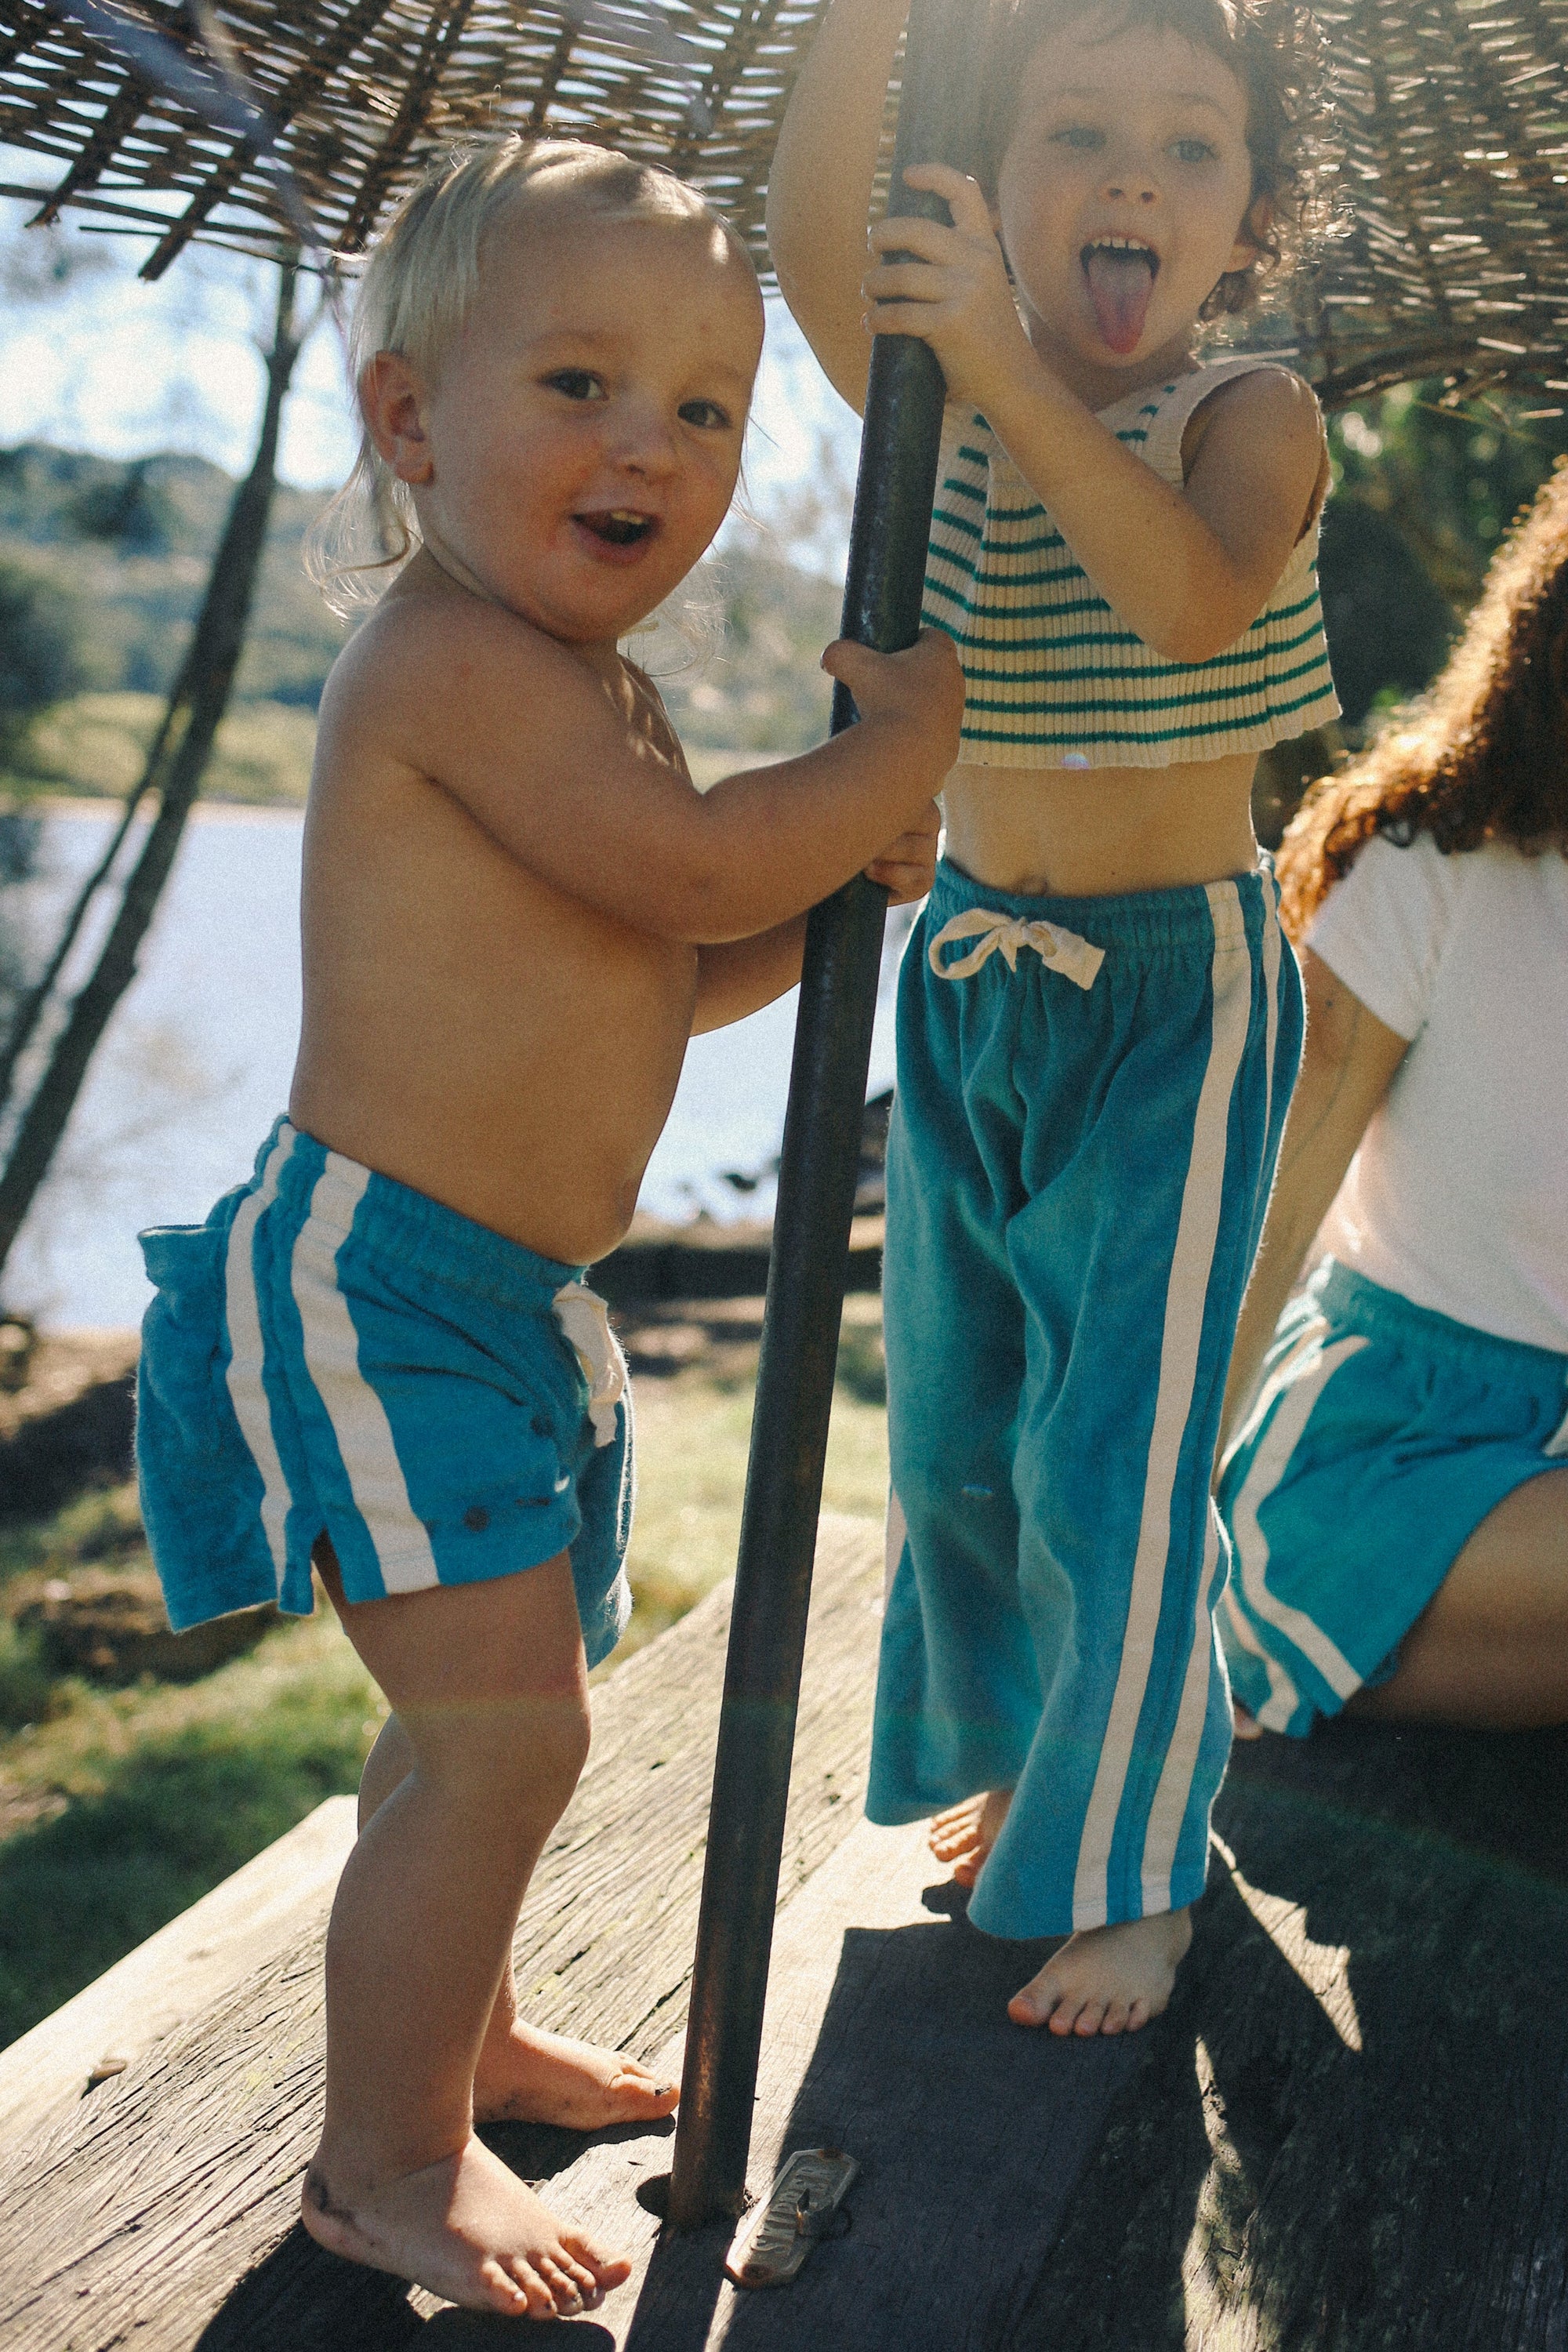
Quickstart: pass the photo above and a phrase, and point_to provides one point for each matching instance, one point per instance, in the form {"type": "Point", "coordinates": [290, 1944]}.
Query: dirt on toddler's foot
{"type": "Point", "coordinates": [467, 2229]}
{"type": "Point", "coordinates": [529, 2077]}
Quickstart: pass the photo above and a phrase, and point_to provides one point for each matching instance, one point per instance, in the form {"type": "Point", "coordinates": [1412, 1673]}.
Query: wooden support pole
{"type": "Point", "coordinates": [817, 1172]}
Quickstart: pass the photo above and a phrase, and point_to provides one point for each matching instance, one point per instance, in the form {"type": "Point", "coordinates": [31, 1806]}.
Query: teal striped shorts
{"type": "Point", "coordinates": [1380, 1438]}
{"type": "Point", "coordinates": [334, 1353]}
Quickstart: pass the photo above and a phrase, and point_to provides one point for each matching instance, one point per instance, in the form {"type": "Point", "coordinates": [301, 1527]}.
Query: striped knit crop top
{"type": "Point", "coordinates": [1053, 677]}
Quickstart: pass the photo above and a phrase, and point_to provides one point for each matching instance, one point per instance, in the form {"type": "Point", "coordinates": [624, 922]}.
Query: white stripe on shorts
{"type": "Point", "coordinates": [1283, 1698]}
{"type": "Point", "coordinates": [357, 1415]}
{"type": "Point", "coordinates": [1267, 1467]}
{"type": "Point", "coordinates": [246, 1391]}
{"type": "Point", "coordinates": [1186, 1296]}
{"type": "Point", "coordinates": [1170, 1806]}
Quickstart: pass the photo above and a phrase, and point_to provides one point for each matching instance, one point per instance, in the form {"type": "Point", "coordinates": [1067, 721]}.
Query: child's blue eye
{"type": "Point", "coordinates": [577, 383]}
{"type": "Point", "coordinates": [1191, 151]}
{"type": "Point", "coordinates": [1077, 134]}
{"type": "Point", "coordinates": [706, 413]}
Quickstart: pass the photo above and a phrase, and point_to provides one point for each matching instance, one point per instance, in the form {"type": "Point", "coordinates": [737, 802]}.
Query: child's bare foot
{"type": "Point", "coordinates": [964, 1834]}
{"type": "Point", "coordinates": [1247, 1726]}
{"type": "Point", "coordinates": [526, 2076]}
{"type": "Point", "coordinates": [467, 2229]}
{"type": "Point", "coordinates": [1107, 1980]}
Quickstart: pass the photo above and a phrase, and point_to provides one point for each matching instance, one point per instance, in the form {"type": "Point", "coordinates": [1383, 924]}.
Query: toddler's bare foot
{"type": "Point", "coordinates": [467, 2229]}
{"type": "Point", "coordinates": [1247, 1726]}
{"type": "Point", "coordinates": [1107, 1980]}
{"type": "Point", "coordinates": [964, 1834]}
{"type": "Point", "coordinates": [526, 2076]}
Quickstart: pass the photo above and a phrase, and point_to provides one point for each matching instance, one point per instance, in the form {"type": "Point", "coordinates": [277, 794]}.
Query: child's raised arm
{"type": "Point", "coordinates": [535, 745]}
{"type": "Point", "coordinates": [1189, 569]}
{"type": "Point", "coordinates": [819, 191]}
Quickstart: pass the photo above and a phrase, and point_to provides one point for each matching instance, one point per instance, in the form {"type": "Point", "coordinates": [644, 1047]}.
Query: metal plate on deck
{"type": "Point", "coordinates": [805, 2203]}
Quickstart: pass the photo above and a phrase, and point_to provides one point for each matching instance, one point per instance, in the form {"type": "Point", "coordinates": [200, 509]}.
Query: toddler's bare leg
{"type": "Point", "coordinates": [524, 2075]}
{"type": "Point", "coordinates": [1101, 1981]}
{"type": "Point", "coordinates": [488, 1684]}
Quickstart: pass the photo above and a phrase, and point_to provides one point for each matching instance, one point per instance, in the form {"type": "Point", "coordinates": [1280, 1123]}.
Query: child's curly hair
{"type": "Point", "coordinates": [1483, 755]}
{"type": "Point", "coordinates": [1275, 51]}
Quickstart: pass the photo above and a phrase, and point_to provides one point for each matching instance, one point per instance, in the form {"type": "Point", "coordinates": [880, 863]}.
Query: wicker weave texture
{"type": "Point", "coordinates": [1449, 119]}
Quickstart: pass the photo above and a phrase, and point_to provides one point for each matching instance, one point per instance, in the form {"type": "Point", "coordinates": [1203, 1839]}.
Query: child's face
{"type": "Point", "coordinates": [1123, 190]}
{"type": "Point", "coordinates": [584, 437]}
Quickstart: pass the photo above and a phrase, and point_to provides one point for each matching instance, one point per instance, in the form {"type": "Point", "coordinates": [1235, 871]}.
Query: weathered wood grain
{"type": "Point", "coordinates": [177, 1974]}
{"type": "Point", "coordinates": [1353, 2136]}
{"type": "Point", "coordinates": [160, 2210]}
{"type": "Point", "coordinates": [886, 2035]}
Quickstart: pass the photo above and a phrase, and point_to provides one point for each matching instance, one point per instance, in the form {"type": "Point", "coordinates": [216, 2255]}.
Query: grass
{"type": "Point", "coordinates": [95, 744]}
{"type": "Point", "coordinates": [119, 1807]}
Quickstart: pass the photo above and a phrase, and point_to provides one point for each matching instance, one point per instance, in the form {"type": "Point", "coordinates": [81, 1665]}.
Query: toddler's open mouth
{"type": "Point", "coordinates": [618, 526]}
{"type": "Point", "coordinates": [1120, 271]}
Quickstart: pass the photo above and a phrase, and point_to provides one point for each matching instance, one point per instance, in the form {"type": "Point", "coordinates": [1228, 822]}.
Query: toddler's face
{"type": "Point", "coordinates": [586, 434]}
{"type": "Point", "coordinates": [1123, 189]}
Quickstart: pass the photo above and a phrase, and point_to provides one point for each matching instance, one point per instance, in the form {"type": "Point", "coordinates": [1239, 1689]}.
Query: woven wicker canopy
{"type": "Point", "coordinates": [1451, 123]}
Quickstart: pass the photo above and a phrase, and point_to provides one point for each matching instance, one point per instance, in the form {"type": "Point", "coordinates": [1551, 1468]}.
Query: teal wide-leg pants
{"type": "Point", "coordinates": [1089, 1099]}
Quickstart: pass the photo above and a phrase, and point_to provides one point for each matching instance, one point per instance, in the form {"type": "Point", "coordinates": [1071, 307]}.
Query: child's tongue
{"type": "Point", "coordinates": [1120, 286]}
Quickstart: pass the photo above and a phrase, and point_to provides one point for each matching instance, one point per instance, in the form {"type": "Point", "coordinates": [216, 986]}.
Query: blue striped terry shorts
{"type": "Point", "coordinates": [332, 1353]}
{"type": "Point", "coordinates": [1380, 1438]}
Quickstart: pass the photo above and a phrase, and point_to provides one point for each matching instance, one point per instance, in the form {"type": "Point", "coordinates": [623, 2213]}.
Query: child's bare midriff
{"type": "Point", "coordinates": [470, 1029]}
{"type": "Point", "coordinates": [1094, 833]}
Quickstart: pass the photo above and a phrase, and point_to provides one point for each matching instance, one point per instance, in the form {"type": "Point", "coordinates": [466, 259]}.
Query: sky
{"type": "Point", "coordinates": [106, 364]}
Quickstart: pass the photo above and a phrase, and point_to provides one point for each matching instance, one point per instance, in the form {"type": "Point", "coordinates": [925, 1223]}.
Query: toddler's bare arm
{"type": "Point", "coordinates": [547, 756]}
{"type": "Point", "coordinates": [742, 975]}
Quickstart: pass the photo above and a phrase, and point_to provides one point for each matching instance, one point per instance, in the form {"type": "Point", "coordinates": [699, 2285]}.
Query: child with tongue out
{"type": "Point", "coordinates": [1099, 1021]}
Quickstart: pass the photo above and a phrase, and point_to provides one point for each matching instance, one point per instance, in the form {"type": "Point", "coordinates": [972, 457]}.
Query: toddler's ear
{"type": "Point", "coordinates": [392, 400]}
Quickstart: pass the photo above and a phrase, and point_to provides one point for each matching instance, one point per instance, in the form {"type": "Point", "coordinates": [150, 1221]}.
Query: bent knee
{"type": "Point", "coordinates": [526, 1750]}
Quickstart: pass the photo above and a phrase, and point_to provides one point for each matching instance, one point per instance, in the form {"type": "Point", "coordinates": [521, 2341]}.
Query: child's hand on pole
{"type": "Point", "coordinates": [919, 691]}
{"type": "Point", "coordinates": [907, 867]}
{"type": "Point", "coordinates": [954, 293]}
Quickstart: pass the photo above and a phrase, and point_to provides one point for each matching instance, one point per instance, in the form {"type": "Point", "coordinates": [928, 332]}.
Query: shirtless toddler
{"type": "Point", "coordinates": [379, 1355]}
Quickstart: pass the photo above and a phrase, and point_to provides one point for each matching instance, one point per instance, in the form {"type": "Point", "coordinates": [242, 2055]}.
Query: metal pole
{"type": "Point", "coordinates": [810, 1253]}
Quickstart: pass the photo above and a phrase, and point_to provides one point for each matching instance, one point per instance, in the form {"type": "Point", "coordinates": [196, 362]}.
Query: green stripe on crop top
{"type": "Point", "coordinates": [1055, 677]}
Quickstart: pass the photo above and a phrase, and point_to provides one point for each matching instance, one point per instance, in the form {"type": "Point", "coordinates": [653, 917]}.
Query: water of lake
{"type": "Point", "coordinates": [195, 1066]}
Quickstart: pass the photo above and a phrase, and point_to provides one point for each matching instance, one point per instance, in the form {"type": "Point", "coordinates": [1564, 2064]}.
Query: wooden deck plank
{"type": "Point", "coordinates": [179, 1974]}
{"type": "Point", "coordinates": [1349, 2134]}
{"type": "Point", "coordinates": [146, 2204]}
{"type": "Point", "coordinates": [887, 2034]}
{"type": "Point", "coordinates": [1353, 2136]}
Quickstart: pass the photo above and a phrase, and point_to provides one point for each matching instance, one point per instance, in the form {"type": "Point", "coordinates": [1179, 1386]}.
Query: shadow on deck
{"type": "Point", "coordinates": [1349, 2134]}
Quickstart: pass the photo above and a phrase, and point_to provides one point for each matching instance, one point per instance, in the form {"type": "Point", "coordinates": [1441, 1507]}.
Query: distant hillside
{"type": "Point", "coordinates": [133, 543]}
{"type": "Point", "coordinates": [736, 660]}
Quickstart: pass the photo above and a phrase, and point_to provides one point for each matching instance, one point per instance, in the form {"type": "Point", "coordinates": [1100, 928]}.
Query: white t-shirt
{"type": "Point", "coordinates": [1458, 1196]}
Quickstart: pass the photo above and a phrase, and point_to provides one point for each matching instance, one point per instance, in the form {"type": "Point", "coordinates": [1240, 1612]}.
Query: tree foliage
{"type": "Point", "coordinates": [1426, 489]}
{"type": "Point", "coordinates": [40, 647]}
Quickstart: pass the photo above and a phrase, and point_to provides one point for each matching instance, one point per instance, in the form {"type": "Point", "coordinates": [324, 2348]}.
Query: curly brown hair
{"type": "Point", "coordinates": [1275, 51]}
{"type": "Point", "coordinates": [1483, 755]}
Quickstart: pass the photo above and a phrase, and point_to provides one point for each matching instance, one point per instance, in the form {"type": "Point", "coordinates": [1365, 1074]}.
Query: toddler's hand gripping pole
{"type": "Point", "coordinates": [817, 1175]}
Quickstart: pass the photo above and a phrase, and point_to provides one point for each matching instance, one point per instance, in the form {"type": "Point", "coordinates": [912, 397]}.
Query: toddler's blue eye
{"type": "Point", "coordinates": [1191, 151]}
{"type": "Point", "coordinates": [706, 413]}
{"type": "Point", "coordinates": [577, 383]}
{"type": "Point", "coordinates": [1077, 134]}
